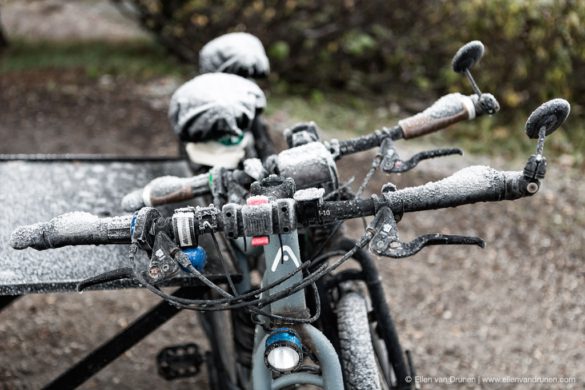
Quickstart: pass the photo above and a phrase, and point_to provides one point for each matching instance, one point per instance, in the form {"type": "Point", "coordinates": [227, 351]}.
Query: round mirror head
{"type": "Point", "coordinates": [549, 115]}
{"type": "Point", "coordinates": [467, 56]}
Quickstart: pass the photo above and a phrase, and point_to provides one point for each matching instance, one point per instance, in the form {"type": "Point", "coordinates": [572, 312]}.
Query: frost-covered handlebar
{"type": "Point", "coordinates": [447, 110]}
{"type": "Point", "coordinates": [470, 185]}
{"type": "Point", "coordinates": [308, 208]}
{"type": "Point", "coordinates": [165, 190]}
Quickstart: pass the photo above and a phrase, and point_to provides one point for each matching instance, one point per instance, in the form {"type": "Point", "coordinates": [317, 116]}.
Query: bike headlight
{"type": "Point", "coordinates": [284, 351]}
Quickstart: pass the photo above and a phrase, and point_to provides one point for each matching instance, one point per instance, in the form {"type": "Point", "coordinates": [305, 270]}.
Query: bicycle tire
{"type": "Point", "coordinates": [358, 359]}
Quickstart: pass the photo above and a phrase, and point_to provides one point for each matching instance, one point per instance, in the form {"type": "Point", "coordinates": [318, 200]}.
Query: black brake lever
{"type": "Point", "coordinates": [166, 259]}
{"type": "Point", "coordinates": [143, 236]}
{"type": "Point", "coordinates": [386, 242]}
{"type": "Point", "coordinates": [398, 249]}
{"type": "Point", "coordinates": [165, 262]}
{"type": "Point", "coordinates": [391, 162]}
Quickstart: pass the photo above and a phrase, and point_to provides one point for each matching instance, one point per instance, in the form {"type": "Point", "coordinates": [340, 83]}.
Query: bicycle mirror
{"type": "Point", "coordinates": [467, 56]}
{"type": "Point", "coordinates": [548, 117]}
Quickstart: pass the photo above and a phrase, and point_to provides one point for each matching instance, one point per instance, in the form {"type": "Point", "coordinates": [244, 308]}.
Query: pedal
{"type": "Point", "coordinates": [179, 361]}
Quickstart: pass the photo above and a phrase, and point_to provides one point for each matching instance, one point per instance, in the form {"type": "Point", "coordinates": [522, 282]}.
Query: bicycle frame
{"type": "Point", "coordinates": [283, 256]}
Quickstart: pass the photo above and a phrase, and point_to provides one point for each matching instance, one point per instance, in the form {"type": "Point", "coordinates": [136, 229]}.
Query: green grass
{"type": "Point", "coordinates": [333, 112]}
{"type": "Point", "coordinates": [136, 59]}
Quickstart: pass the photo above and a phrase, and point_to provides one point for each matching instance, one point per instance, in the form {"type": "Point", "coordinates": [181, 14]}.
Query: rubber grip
{"type": "Point", "coordinates": [172, 189]}
{"type": "Point", "coordinates": [446, 111]}
{"type": "Point", "coordinates": [77, 228]}
{"type": "Point", "coordinates": [469, 185]}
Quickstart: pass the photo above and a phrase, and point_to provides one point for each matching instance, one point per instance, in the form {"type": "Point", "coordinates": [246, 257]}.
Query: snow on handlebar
{"type": "Point", "coordinates": [470, 185]}
{"type": "Point", "coordinates": [167, 189]}
{"type": "Point", "coordinates": [446, 111]}
{"type": "Point", "coordinates": [76, 228]}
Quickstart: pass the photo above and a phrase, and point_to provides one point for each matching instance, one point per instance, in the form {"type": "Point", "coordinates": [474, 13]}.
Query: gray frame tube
{"type": "Point", "coordinates": [332, 377]}
{"type": "Point", "coordinates": [261, 375]}
{"type": "Point", "coordinates": [282, 256]}
{"type": "Point", "coordinates": [297, 378]}
{"type": "Point", "coordinates": [328, 358]}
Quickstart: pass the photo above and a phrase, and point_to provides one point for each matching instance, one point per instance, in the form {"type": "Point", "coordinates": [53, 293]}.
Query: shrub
{"type": "Point", "coordinates": [398, 48]}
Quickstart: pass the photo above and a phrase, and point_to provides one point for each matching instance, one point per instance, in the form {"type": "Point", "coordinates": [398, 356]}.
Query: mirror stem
{"type": "Point", "coordinates": [473, 84]}
{"type": "Point", "coordinates": [540, 144]}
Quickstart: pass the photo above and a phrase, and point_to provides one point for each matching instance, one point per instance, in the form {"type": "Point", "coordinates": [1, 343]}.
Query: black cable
{"type": "Point", "coordinates": [344, 186]}
{"type": "Point", "coordinates": [212, 305]}
{"type": "Point", "coordinates": [295, 320]}
{"type": "Point", "coordinates": [234, 302]}
{"type": "Point", "coordinates": [326, 241]}
{"type": "Point", "coordinates": [262, 312]}
{"type": "Point", "coordinates": [281, 249]}
{"type": "Point", "coordinates": [321, 271]}
{"type": "Point", "coordinates": [253, 293]}
{"type": "Point", "coordinates": [223, 265]}
{"type": "Point", "coordinates": [337, 225]}
{"type": "Point", "coordinates": [327, 255]}
{"type": "Point", "coordinates": [375, 164]}
{"type": "Point", "coordinates": [205, 305]}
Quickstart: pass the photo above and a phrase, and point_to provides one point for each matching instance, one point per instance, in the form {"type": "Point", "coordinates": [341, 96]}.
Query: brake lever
{"type": "Point", "coordinates": [163, 263]}
{"type": "Point", "coordinates": [398, 249]}
{"type": "Point", "coordinates": [123, 273]}
{"type": "Point", "coordinates": [166, 261]}
{"type": "Point", "coordinates": [143, 236]}
{"type": "Point", "coordinates": [391, 162]}
{"type": "Point", "coordinates": [387, 243]}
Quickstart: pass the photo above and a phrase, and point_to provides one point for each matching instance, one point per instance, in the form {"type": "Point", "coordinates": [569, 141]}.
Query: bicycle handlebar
{"type": "Point", "coordinates": [448, 110]}
{"type": "Point", "coordinates": [469, 185]}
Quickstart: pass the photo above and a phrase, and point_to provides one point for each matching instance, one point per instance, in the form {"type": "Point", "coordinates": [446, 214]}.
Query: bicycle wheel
{"type": "Point", "coordinates": [358, 358]}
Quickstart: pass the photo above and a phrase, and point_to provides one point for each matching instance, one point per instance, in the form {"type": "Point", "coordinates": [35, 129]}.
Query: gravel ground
{"type": "Point", "coordinates": [513, 309]}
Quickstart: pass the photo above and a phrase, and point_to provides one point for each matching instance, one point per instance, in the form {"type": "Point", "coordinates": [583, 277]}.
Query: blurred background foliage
{"type": "Point", "coordinates": [399, 49]}
{"type": "Point", "coordinates": [388, 54]}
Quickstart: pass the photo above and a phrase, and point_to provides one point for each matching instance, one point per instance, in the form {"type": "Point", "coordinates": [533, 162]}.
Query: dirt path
{"type": "Point", "coordinates": [58, 20]}
{"type": "Point", "coordinates": [514, 309]}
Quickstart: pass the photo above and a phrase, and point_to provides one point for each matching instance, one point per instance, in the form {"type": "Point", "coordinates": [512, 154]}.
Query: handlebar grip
{"type": "Point", "coordinates": [165, 190]}
{"type": "Point", "coordinates": [446, 111]}
{"type": "Point", "coordinates": [469, 185]}
{"type": "Point", "coordinates": [133, 201]}
{"type": "Point", "coordinates": [77, 228]}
